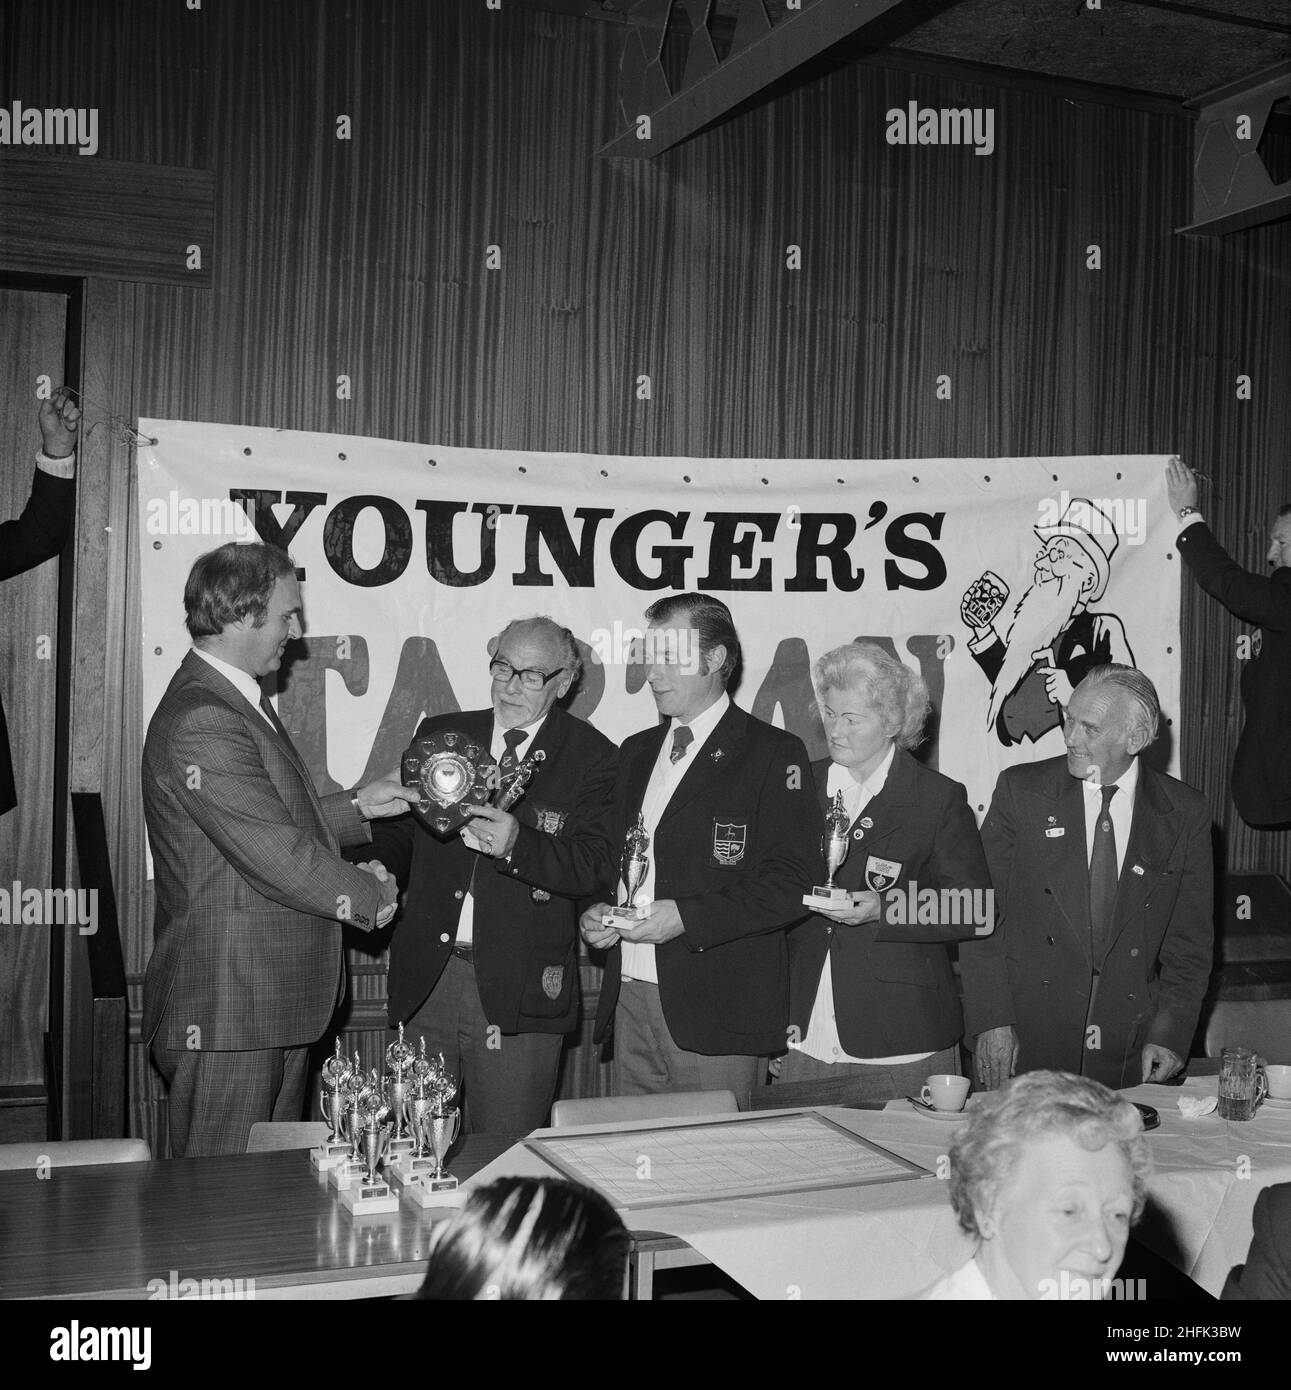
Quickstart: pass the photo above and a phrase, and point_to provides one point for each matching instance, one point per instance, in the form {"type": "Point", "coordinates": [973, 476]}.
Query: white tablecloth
{"type": "Point", "coordinates": [892, 1240]}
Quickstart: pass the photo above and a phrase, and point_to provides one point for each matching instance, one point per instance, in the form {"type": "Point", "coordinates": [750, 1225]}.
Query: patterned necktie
{"type": "Point", "coordinates": [682, 737]}
{"type": "Point", "coordinates": [513, 738]}
{"type": "Point", "coordinates": [1102, 881]}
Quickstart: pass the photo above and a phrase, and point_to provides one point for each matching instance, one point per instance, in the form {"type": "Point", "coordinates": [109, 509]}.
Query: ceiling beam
{"type": "Point", "coordinates": [1231, 184]}
{"type": "Point", "coordinates": [660, 108]}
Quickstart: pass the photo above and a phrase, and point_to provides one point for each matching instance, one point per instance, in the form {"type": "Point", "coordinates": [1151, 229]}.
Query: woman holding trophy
{"type": "Point", "coordinates": [873, 1006]}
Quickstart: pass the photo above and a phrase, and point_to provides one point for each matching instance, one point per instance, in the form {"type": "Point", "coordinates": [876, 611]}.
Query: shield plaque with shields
{"type": "Point", "coordinates": [453, 773]}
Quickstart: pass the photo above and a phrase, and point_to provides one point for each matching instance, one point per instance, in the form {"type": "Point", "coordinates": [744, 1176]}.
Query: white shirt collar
{"type": "Point", "coordinates": [841, 779]}
{"type": "Point", "coordinates": [702, 725]}
{"type": "Point", "coordinates": [528, 730]}
{"type": "Point", "coordinates": [246, 683]}
{"type": "Point", "coordinates": [1128, 783]}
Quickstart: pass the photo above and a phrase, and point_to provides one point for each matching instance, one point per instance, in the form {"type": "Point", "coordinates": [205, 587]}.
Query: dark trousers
{"type": "Point", "coordinates": [507, 1080]}
{"type": "Point", "coordinates": [215, 1097]}
{"type": "Point", "coordinates": [647, 1061]}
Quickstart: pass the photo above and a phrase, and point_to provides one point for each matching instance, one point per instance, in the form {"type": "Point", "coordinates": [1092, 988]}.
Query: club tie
{"type": "Point", "coordinates": [513, 738]}
{"type": "Point", "coordinates": [1102, 881]}
{"type": "Point", "coordinates": [682, 737]}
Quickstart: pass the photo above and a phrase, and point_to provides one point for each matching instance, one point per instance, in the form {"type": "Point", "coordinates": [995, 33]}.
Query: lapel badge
{"type": "Point", "coordinates": [1055, 832]}
{"type": "Point", "coordinates": [716, 755]}
{"type": "Point", "coordinates": [867, 823]}
{"type": "Point", "coordinates": [1053, 820]}
{"type": "Point", "coordinates": [858, 834]}
{"type": "Point", "coordinates": [1137, 868]}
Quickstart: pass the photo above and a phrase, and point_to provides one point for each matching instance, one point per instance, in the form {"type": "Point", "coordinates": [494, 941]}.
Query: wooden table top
{"type": "Point", "coordinates": [107, 1230]}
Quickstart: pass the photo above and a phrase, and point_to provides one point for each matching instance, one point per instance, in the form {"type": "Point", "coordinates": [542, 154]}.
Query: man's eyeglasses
{"type": "Point", "coordinates": [530, 677]}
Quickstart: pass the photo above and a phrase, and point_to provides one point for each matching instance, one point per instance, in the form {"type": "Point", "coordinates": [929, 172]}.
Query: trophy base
{"type": "Point", "coordinates": [396, 1149]}
{"type": "Point", "coordinates": [327, 1156]}
{"type": "Point", "coordinates": [614, 915]}
{"type": "Point", "coordinates": [823, 896]}
{"type": "Point", "coordinates": [348, 1173]}
{"type": "Point", "coordinates": [408, 1168]}
{"type": "Point", "coordinates": [432, 1192]}
{"type": "Point", "coordinates": [369, 1198]}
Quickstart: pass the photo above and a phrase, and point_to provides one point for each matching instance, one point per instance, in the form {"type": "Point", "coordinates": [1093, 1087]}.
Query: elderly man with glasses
{"type": "Point", "coordinates": [484, 960]}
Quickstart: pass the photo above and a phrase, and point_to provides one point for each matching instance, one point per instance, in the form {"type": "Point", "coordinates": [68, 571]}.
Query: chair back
{"type": "Point", "coordinates": [670, 1105]}
{"type": "Point", "coordinates": [73, 1153]}
{"type": "Point", "coordinates": [268, 1135]}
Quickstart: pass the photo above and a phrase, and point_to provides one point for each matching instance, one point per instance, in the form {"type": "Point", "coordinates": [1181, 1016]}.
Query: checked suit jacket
{"type": "Point", "coordinates": [736, 848]}
{"type": "Point", "coordinates": [251, 888]}
{"type": "Point", "coordinates": [525, 926]}
{"type": "Point", "coordinates": [1036, 970]}
{"type": "Point", "coordinates": [894, 991]}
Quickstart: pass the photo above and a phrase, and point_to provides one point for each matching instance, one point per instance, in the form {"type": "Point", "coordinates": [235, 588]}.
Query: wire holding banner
{"type": "Point", "coordinates": [126, 432]}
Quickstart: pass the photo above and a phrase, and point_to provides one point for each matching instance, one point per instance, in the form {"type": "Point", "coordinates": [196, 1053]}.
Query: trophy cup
{"type": "Point", "coordinates": [399, 1058]}
{"type": "Point", "coordinates": [636, 863]}
{"type": "Point", "coordinates": [353, 1089]}
{"type": "Point", "coordinates": [835, 846]}
{"type": "Point", "coordinates": [335, 1148]}
{"type": "Point", "coordinates": [453, 774]}
{"type": "Point", "coordinates": [369, 1194]}
{"type": "Point", "coordinates": [514, 787]}
{"type": "Point", "coordinates": [439, 1125]}
{"type": "Point", "coordinates": [422, 1084]}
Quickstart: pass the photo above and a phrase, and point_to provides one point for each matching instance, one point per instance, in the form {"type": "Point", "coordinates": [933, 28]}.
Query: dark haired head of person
{"type": "Point", "coordinates": [710, 620]}
{"type": "Point", "coordinates": [232, 583]}
{"type": "Point", "coordinates": [529, 1239]}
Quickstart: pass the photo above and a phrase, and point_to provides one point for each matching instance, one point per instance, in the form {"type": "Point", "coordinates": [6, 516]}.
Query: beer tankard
{"type": "Point", "coordinates": [1242, 1084]}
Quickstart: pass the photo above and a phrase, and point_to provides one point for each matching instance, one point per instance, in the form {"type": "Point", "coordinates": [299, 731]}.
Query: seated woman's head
{"type": "Point", "coordinates": [530, 1239]}
{"type": "Point", "coordinates": [1049, 1173]}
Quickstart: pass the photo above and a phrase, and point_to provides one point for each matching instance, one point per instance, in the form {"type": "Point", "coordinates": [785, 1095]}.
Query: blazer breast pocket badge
{"type": "Point", "coordinates": [553, 976]}
{"type": "Point", "coordinates": [881, 873]}
{"type": "Point", "coordinates": [540, 895]}
{"type": "Point", "coordinates": [729, 843]}
{"type": "Point", "coordinates": [547, 819]}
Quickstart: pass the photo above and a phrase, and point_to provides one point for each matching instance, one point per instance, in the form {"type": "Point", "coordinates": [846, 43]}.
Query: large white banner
{"type": "Point", "coordinates": [1001, 580]}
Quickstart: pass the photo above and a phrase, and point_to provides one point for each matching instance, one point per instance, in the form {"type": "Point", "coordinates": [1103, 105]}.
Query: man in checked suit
{"type": "Point", "coordinates": [484, 961]}
{"type": "Point", "coordinates": [698, 990]}
{"type": "Point", "coordinates": [246, 968]}
{"type": "Point", "coordinates": [1102, 872]}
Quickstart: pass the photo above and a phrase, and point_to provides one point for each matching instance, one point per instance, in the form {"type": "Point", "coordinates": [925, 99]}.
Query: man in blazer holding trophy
{"type": "Point", "coordinates": [713, 810]}
{"type": "Point", "coordinates": [484, 960]}
{"type": "Point", "coordinates": [873, 1008]}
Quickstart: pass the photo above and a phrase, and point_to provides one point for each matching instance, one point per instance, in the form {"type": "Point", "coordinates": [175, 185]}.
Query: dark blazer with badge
{"type": "Point", "coordinates": [736, 848]}
{"type": "Point", "coordinates": [251, 886]}
{"type": "Point", "coordinates": [894, 991]}
{"type": "Point", "coordinates": [526, 911]}
{"type": "Point", "coordinates": [1262, 763]}
{"type": "Point", "coordinates": [1035, 971]}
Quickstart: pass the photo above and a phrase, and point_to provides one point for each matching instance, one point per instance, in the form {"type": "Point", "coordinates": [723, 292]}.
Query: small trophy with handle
{"type": "Point", "coordinates": [336, 1148]}
{"type": "Point", "coordinates": [370, 1194]}
{"type": "Point", "coordinates": [439, 1125]}
{"type": "Point", "coordinates": [636, 864]}
{"type": "Point", "coordinates": [834, 846]}
{"type": "Point", "coordinates": [400, 1057]}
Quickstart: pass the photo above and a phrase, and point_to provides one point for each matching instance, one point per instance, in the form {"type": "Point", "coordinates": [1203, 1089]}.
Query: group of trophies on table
{"type": "Point", "coordinates": [402, 1123]}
